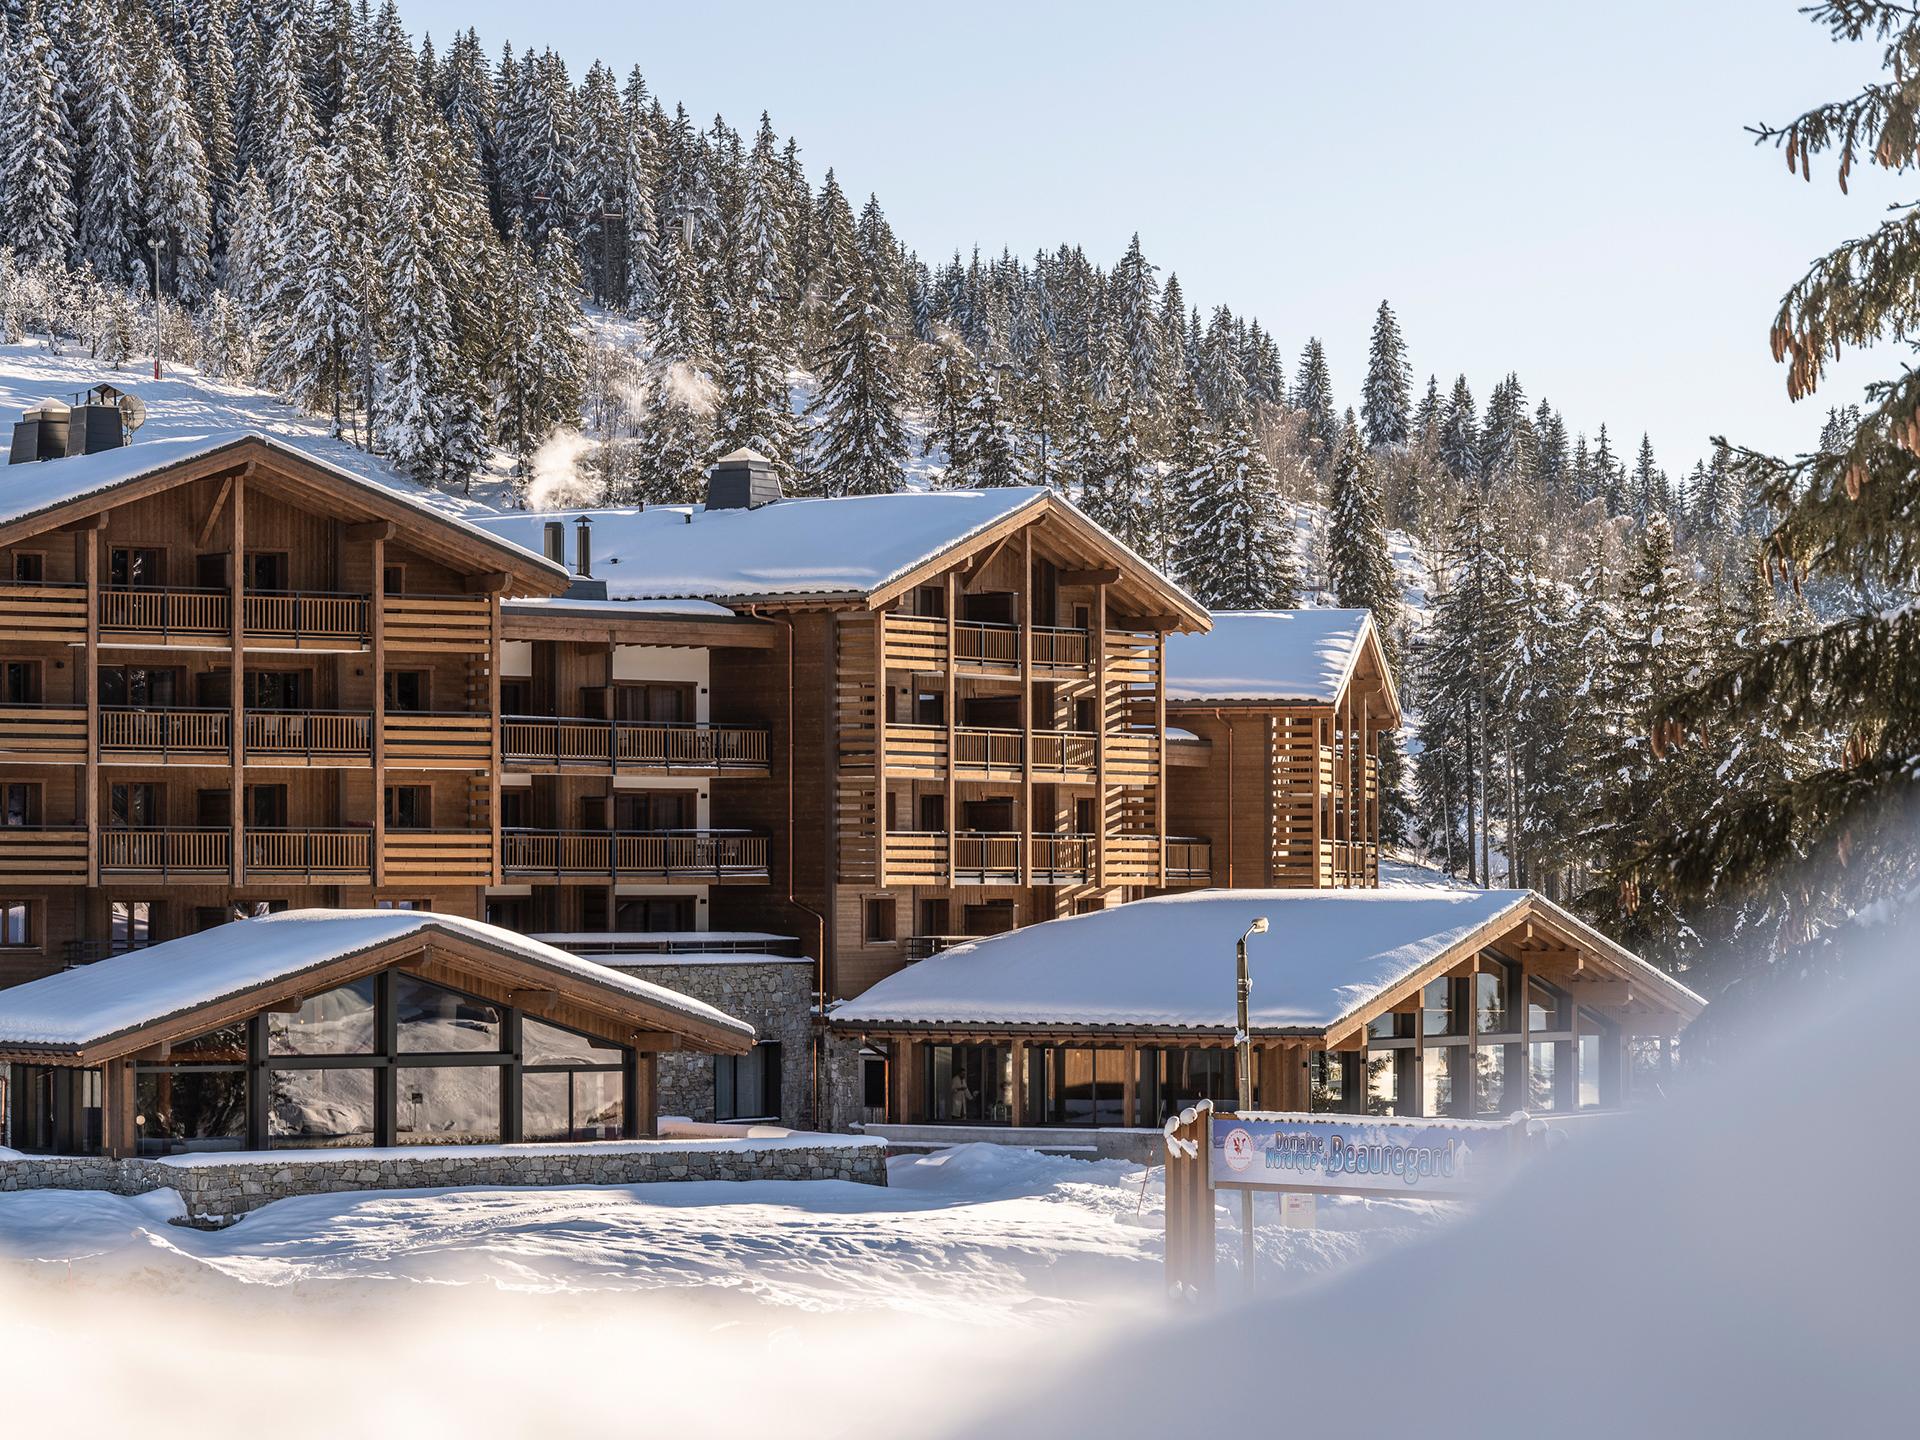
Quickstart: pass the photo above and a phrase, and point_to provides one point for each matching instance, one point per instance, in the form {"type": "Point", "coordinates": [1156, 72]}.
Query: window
{"type": "Point", "coordinates": [873, 1082]}
{"type": "Point", "coordinates": [431, 1019]}
{"type": "Point", "coordinates": [210, 571]}
{"type": "Point", "coordinates": [336, 1022]}
{"type": "Point", "coordinates": [995, 917]}
{"type": "Point", "coordinates": [655, 810]}
{"type": "Point", "coordinates": [130, 566]}
{"type": "Point", "coordinates": [19, 803]}
{"type": "Point", "coordinates": [16, 924]}
{"type": "Point", "coordinates": [933, 814]}
{"type": "Point", "coordinates": [654, 914]}
{"type": "Point", "coordinates": [929, 707]}
{"type": "Point", "coordinates": [407, 690]}
{"type": "Point", "coordinates": [189, 1109]}
{"type": "Point", "coordinates": [879, 928]}
{"type": "Point", "coordinates": [1490, 998]}
{"type": "Point", "coordinates": [20, 682]}
{"type": "Point", "coordinates": [403, 905]}
{"type": "Point", "coordinates": [393, 579]}
{"type": "Point", "coordinates": [143, 686]}
{"type": "Point", "coordinates": [1076, 1085]}
{"type": "Point", "coordinates": [655, 702]}
{"type": "Point", "coordinates": [447, 1105]}
{"type": "Point", "coordinates": [516, 808]}
{"type": "Point", "coordinates": [55, 1109]}
{"type": "Point", "coordinates": [1086, 817]}
{"type": "Point", "coordinates": [1490, 1081]}
{"type": "Point", "coordinates": [970, 1084]}
{"type": "Point", "coordinates": [320, 1109]}
{"type": "Point", "coordinates": [132, 922]}
{"type": "Point", "coordinates": [267, 570]}
{"type": "Point", "coordinates": [1170, 1080]}
{"type": "Point", "coordinates": [516, 697]}
{"type": "Point", "coordinates": [278, 689]}
{"type": "Point", "coordinates": [931, 601]}
{"type": "Point", "coordinates": [933, 917]}
{"type": "Point", "coordinates": [141, 806]}
{"type": "Point", "coordinates": [29, 567]}
{"type": "Point", "coordinates": [747, 1087]}
{"type": "Point", "coordinates": [573, 1086]}
{"type": "Point", "coordinates": [267, 807]}
{"type": "Point", "coordinates": [409, 807]}
{"type": "Point", "coordinates": [1327, 1087]}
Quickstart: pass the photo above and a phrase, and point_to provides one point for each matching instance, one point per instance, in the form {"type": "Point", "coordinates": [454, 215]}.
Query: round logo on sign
{"type": "Point", "coordinates": [1239, 1150]}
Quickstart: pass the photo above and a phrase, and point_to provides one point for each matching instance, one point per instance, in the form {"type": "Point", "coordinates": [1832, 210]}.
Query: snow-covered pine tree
{"type": "Point", "coordinates": [1460, 436]}
{"type": "Point", "coordinates": [409, 402]}
{"type": "Point", "coordinates": [1313, 398]}
{"type": "Point", "coordinates": [1635, 801]}
{"type": "Point", "coordinates": [1358, 564]}
{"type": "Point", "coordinates": [599, 222]}
{"type": "Point", "coordinates": [676, 435]}
{"type": "Point", "coordinates": [1236, 547]}
{"type": "Point", "coordinates": [1041, 411]}
{"type": "Point", "coordinates": [1136, 293]}
{"type": "Point", "coordinates": [756, 404]}
{"type": "Point", "coordinates": [1386, 402]}
{"type": "Point", "coordinates": [108, 231]}
{"type": "Point", "coordinates": [178, 197]}
{"type": "Point", "coordinates": [1648, 489]}
{"type": "Point", "coordinates": [36, 205]}
{"type": "Point", "coordinates": [859, 445]}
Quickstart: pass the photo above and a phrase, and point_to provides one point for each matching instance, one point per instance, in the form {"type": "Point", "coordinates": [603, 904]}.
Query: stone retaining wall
{"type": "Point", "coordinates": [225, 1189]}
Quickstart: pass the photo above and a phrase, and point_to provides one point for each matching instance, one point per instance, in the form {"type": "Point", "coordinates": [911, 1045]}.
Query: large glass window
{"type": "Point", "coordinates": [1589, 1090]}
{"type": "Point", "coordinates": [1443, 1012]}
{"type": "Point", "coordinates": [1077, 1085]}
{"type": "Point", "coordinates": [1540, 1085]}
{"type": "Point", "coordinates": [433, 1020]}
{"type": "Point", "coordinates": [1490, 1081]}
{"type": "Point", "coordinates": [1171, 1080]}
{"type": "Point", "coordinates": [970, 1084]}
{"type": "Point", "coordinates": [1439, 1072]}
{"type": "Point", "coordinates": [747, 1087]}
{"type": "Point", "coordinates": [1490, 991]}
{"type": "Point", "coordinates": [324, 1108]}
{"type": "Point", "coordinates": [447, 1104]}
{"type": "Point", "coordinates": [572, 1105]}
{"type": "Point", "coordinates": [338, 1022]}
{"type": "Point", "coordinates": [1330, 1082]}
{"type": "Point", "coordinates": [183, 1110]}
{"type": "Point", "coordinates": [544, 1044]}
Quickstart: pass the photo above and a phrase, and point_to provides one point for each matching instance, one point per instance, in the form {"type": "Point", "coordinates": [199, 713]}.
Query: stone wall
{"type": "Point", "coordinates": [218, 1189]}
{"type": "Point", "coordinates": [846, 1084]}
{"type": "Point", "coordinates": [775, 996]}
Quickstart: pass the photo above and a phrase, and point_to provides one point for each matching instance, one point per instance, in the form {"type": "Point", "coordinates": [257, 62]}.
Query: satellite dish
{"type": "Point", "coordinates": [133, 411]}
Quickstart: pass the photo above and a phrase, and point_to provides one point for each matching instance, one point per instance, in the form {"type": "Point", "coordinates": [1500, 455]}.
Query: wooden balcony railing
{"type": "Point", "coordinates": [1065, 752]}
{"type": "Point", "coordinates": [531, 740]}
{"type": "Point", "coordinates": [163, 615]}
{"type": "Point", "coordinates": [312, 737]}
{"type": "Point", "coordinates": [1064, 859]}
{"type": "Point", "coordinates": [915, 642]}
{"type": "Point", "coordinates": [43, 855]}
{"type": "Point", "coordinates": [43, 612]}
{"type": "Point", "coordinates": [1189, 861]}
{"type": "Point", "coordinates": [302, 618]}
{"type": "Point", "coordinates": [163, 734]}
{"type": "Point", "coordinates": [916, 857]}
{"type": "Point", "coordinates": [1059, 648]}
{"type": "Point", "coordinates": [439, 624]}
{"type": "Point", "coordinates": [50, 733]}
{"type": "Point", "coordinates": [980, 749]}
{"type": "Point", "coordinates": [919, 947]}
{"type": "Point", "coordinates": [693, 855]}
{"type": "Point", "coordinates": [986, 859]}
{"type": "Point", "coordinates": [160, 853]}
{"type": "Point", "coordinates": [321, 855]}
{"type": "Point", "coordinates": [1132, 859]}
{"type": "Point", "coordinates": [983, 646]}
{"type": "Point", "coordinates": [438, 857]}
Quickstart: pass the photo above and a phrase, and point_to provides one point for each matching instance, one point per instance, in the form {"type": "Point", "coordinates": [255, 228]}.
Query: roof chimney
{"type": "Point", "coordinates": [553, 542]}
{"type": "Point", "coordinates": [583, 546]}
{"type": "Point", "coordinates": [41, 433]}
{"type": "Point", "coordinates": [99, 419]}
{"type": "Point", "coordinates": [744, 480]}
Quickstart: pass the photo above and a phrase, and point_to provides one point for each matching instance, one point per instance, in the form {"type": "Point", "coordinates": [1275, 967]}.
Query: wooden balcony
{"type": "Point", "coordinates": [439, 624]}
{"type": "Point", "coordinates": [712, 857]}
{"type": "Point", "coordinates": [187, 736]}
{"type": "Point", "coordinates": [981, 753]}
{"type": "Point", "coordinates": [987, 858]}
{"type": "Point", "coordinates": [43, 855]}
{"type": "Point", "coordinates": [303, 739]}
{"type": "Point", "coordinates": [438, 740]}
{"type": "Point", "coordinates": [1189, 861]}
{"type": "Point", "coordinates": [272, 619]}
{"type": "Point", "coordinates": [43, 734]}
{"type": "Point", "coordinates": [626, 747]}
{"type": "Point", "coordinates": [56, 613]}
{"type": "Point", "coordinates": [305, 856]}
{"type": "Point", "coordinates": [919, 643]}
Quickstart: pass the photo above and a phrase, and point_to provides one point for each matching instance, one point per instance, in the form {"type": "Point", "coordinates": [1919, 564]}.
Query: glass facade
{"type": "Point", "coordinates": [747, 1087]}
{"type": "Point", "coordinates": [391, 1059]}
{"type": "Point", "coordinates": [1076, 1085]}
{"type": "Point", "coordinates": [1171, 1080]}
{"type": "Point", "coordinates": [970, 1084]}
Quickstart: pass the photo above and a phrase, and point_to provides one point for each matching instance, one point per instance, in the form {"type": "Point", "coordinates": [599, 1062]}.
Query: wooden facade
{"type": "Point", "coordinates": [242, 681]}
{"type": "Point", "coordinates": [1281, 795]}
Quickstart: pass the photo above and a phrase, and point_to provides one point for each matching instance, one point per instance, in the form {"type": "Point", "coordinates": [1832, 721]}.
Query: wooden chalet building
{"type": "Point", "coordinates": [1416, 1000]}
{"type": "Point", "coordinates": [945, 708]}
{"type": "Point", "coordinates": [235, 678]}
{"type": "Point", "coordinates": [1274, 721]}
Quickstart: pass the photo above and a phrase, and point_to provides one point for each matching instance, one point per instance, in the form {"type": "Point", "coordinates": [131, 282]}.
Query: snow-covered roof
{"type": "Point", "coordinates": [844, 547]}
{"type": "Point", "coordinates": [560, 604]}
{"type": "Point", "coordinates": [91, 1004]}
{"type": "Point", "coordinates": [1168, 962]}
{"type": "Point", "coordinates": [1275, 656]}
{"type": "Point", "coordinates": [31, 489]}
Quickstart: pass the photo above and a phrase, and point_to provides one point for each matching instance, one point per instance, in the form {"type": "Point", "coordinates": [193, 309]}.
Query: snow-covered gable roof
{"type": "Point", "coordinates": [1271, 656]}
{"type": "Point", "coordinates": [91, 1004]}
{"type": "Point", "coordinates": [31, 489]}
{"type": "Point", "coordinates": [1168, 962]}
{"type": "Point", "coordinates": [845, 547]}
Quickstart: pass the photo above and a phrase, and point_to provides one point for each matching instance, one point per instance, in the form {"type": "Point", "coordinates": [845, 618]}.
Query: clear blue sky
{"type": "Point", "coordinates": [1560, 189]}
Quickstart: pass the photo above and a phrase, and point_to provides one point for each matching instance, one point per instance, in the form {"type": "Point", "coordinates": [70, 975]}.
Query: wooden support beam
{"type": "Point", "coordinates": [377, 667]}
{"type": "Point", "coordinates": [371, 530]}
{"type": "Point", "coordinates": [237, 680]}
{"type": "Point", "coordinates": [951, 705]}
{"type": "Point", "coordinates": [213, 512]}
{"type": "Point", "coordinates": [1161, 623]}
{"type": "Point", "coordinates": [1026, 826]}
{"type": "Point", "coordinates": [654, 1041]}
{"type": "Point", "coordinates": [1099, 642]}
{"type": "Point", "coordinates": [91, 540]}
{"type": "Point", "coordinates": [1602, 992]}
{"type": "Point", "coordinates": [490, 583]}
{"type": "Point", "coordinates": [1110, 575]}
{"type": "Point", "coordinates": [981, 564]}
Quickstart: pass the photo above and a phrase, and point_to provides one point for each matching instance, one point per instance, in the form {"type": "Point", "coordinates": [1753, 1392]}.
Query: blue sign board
{"type": "Point", "coordinates": [1355, 1154]}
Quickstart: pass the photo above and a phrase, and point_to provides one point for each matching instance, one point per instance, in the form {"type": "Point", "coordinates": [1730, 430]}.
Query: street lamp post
{"type": "Point", "coordinates": [1243, 1066]}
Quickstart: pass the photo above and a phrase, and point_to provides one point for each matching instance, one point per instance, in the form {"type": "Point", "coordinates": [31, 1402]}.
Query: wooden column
{"type": "Point", "coordinates": [377, 667]}
{"type": "Point", "coordinates": [495, 660]}
{"type": "Point", "coordinates": [117, 1101]}
{"type": "Point", "coordinates": [1160, 752]}
{"type": "Point", "coordinates": [1099, 641]}
{"type": "Point", "coordinates": [646, 1069]}
{"type": "Point", "coordinates": [1026, 707]}
{"type": "Point", "coordinates": [880, 718]}
{"type": "Point", "coordinates": [1322, 726]}
{"type": "Point", "coordinates": [237, 678]}
{"type": "Point", "coordinates": [91, 540]}
{"type": "Point", "coordinates": [951, 705]}
{"type": "Point", "coordinates": [1130, 1083]}
{"type": "Point", "coordinates": [1019, 1116]}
